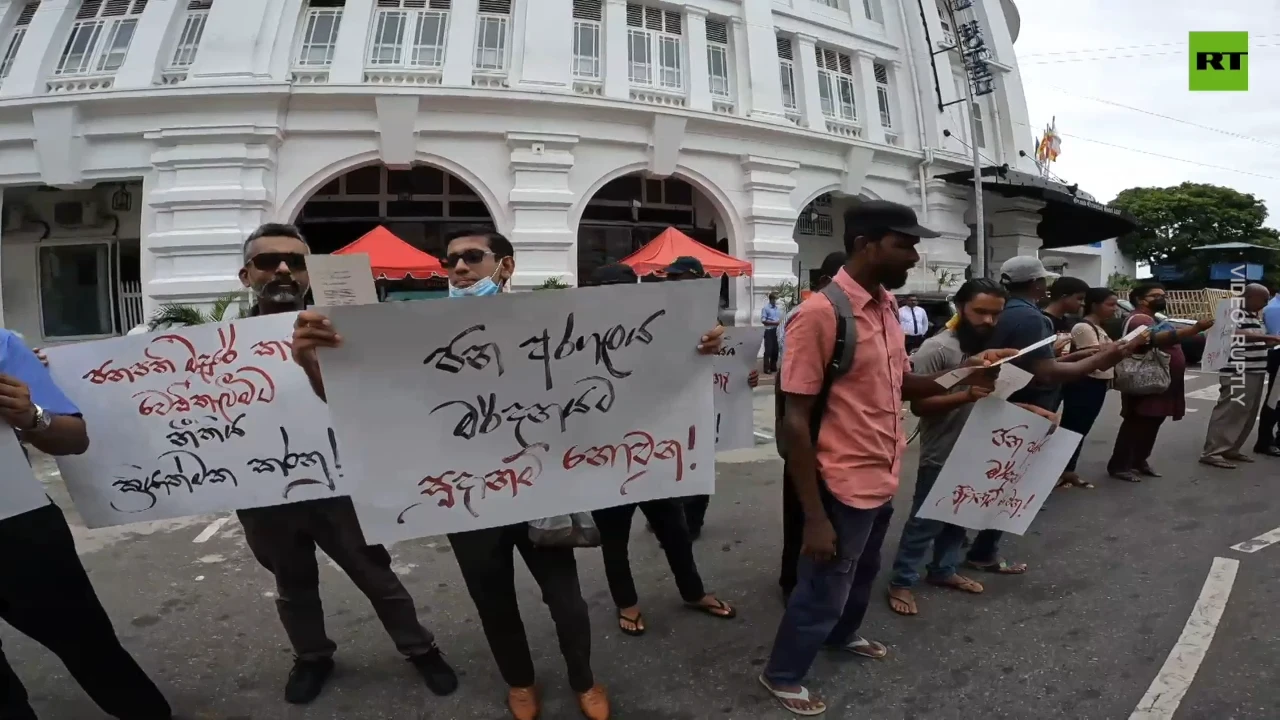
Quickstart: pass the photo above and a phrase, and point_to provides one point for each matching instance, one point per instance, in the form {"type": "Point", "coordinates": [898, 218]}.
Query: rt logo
{"type": "Point", "coordinates": [1219, 61]}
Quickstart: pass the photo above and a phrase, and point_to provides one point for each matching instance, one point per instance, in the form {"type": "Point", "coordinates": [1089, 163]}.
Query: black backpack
{"type": "Point", "coordinates": [841, 362]}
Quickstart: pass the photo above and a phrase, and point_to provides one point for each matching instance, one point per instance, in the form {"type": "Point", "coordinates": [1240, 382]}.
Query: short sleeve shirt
{"type": "Point", "coordinates": [860, 444]}
{"type": "Point", "coordinates": [1022, 324]}
{"type": "Point", "coordinates": [938, 433]}
{"type": "Point", "coordinates": [17, 360]}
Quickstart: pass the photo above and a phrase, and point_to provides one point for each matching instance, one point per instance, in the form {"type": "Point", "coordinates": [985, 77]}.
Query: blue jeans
{"type": "Point", "coordinates": [830, 598]}
{"type": "Point", "coordinates": [947, 539]}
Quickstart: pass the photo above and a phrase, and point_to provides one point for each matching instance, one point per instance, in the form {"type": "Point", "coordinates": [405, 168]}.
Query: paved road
{"type": "Point", "coordinates": [1115, 574]}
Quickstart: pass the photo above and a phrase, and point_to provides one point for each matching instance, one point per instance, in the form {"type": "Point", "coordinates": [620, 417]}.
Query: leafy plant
{"type": "Point", "coordinates": [789, 293]}
{"type": "Point", "coordinates": [1121, 283]}
{"type": "Point", "coordinates": [553, 283]}
{"type": "Point", "coordinates": [176, 314]}
{"type": "Point", "coordinates": [945, 277]}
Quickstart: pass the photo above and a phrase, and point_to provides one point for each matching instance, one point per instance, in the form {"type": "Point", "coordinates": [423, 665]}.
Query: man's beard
{"type": "Point", "coordinates": [281, 292]}
{"type": "Point", "coordinates": [972, 340]}
{"type": "Point", "coordinates": [895, 279]}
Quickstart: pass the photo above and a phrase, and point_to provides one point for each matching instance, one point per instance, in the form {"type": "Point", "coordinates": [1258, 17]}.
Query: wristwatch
{"type": "Point", "coordinates": [41, 422]}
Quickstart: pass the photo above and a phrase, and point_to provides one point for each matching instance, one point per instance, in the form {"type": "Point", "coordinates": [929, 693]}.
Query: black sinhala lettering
{"type": "Point", "coordinates": [600, 344]}
{"type": "Point", "coordinates": [483, 416]}
{"type": "Point", "coordinates": [290, 462]}
{"type": "Point", "coordinates": [187, 476]}
{"type": "Point", "coordinates": [479, 356]}
{"type": "Point", "coordinates": [188, 432]}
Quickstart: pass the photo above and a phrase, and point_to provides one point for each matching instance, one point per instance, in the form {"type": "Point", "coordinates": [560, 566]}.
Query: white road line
{"type": "Point", "coordinates": [1169, 687]}
{"type": "Point", "coordinates": [1264, 540]}
{"type": "Point", "coordinates": [1209, 393]}
{"type": "Point", "coordinates": [212, 529]}
{"type": "Point", "coordinates": [763, 435]}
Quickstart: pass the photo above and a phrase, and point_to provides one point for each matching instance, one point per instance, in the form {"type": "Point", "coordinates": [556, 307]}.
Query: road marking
{"type": "Point", "coordinates": [1169, 687]}
{"type": "Point", "coordinates": [1209, 393]}
{"type": "Point", "coordinates": [212, 529]}
{"type": "Point", "coordinates": [763, 435]}
{"type": "Point", "coordinates": [1264, 540]}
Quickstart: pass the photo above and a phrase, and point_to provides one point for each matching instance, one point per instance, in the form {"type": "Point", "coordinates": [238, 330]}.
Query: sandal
{"type": "Point", "coordinates": [999, 567]}
{"type": "Point", "coordinates": [788, 700]}
{"type": "Point", "coordinates": [637, 624]}
{"type": "Point", "coordinates": [720, 610]}
{"type": "Point", "coordinates": [959, 582]}
{"type": "Point", "coordinates": [1149, 472]}
{"type": "Point", "coordinates": [1239, 457]}
{"type": "Point", "coordinates": [1218, 463]}
{"type": "Point", "coordinates": [903, 602]}
{"type": "Point", "coordinates": [1125, 476]}
{"type": "Point", "coordinates": [865, 648]}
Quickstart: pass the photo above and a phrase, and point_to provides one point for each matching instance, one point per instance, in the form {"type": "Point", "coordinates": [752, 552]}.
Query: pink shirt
{"type": "Point", "coordinates": [861, 442]}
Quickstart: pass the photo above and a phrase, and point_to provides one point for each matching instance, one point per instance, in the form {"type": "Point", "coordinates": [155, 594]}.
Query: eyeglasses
{"type": "Point", "coordinates": [470, 256]}
{"type": "Point", "coordinates": [269, 261]}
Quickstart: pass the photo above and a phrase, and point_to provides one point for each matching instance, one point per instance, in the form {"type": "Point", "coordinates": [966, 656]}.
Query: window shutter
{"type": "Point", "coordinates": [717, 32]}
{"type": "Point", "coordinates": [588, 10]}
{"type": "Point", "coordinates": [846, 64]}
{"type": "Point", "coordinates": [88, 9]}
{"type": "Point", "coordinates": [28, 12]}
{"type": "Point", "coordinates": [495, 7]}
{"type": "Point", "coordinates": [882, 73]}
{"type": "Point", "coordinates": [674, 24]}
{"type": "Point", "coordinates": [200, 5]}
{"type": "Point", "coordinates": [653, 19]}
{"type": "Point", "coordinates": [784, 48]}
{"type": "Point", "coordinates": [441, 4]}
{"type": "Point", "coordinates": [635, 15]}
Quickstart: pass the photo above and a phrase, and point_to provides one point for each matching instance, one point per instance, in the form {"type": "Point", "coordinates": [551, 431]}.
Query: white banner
{"type": "Point", "coordinates": [463, 414]}
{"type": "Point", "coordinates": [1217, 339]}
{"type": "Point", "coordinates": [195, 420]}
{"type": "Point", "coordinates": [20, 491]}
{"type": "Point", "coordinates": [734, 400]}
{"type": "Point", "coordinates": [1003, 466]}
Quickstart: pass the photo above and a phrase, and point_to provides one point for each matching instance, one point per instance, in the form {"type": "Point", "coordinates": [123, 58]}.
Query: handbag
{"type": "Point", "coordinates": [1144, 373]}
{"type": "Point", "coordinates": [576, 530]}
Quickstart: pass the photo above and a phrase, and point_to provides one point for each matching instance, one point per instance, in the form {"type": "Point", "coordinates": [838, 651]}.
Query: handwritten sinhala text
{"type": "Point", "coordinates": [180, 470]}
{"type": "Point", "coordinates": [290, 462]}
{"type": "Point", "coordinates": [483, 416]}
{"type": "Point", "coordinates": [599, 344]}
{"type": "Point", "coordinates": [634, 455]}
{"type": "Point", "coordinates": [518, 470]}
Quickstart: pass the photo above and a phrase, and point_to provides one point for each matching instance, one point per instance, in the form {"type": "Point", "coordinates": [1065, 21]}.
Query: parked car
{"type": "Point", "coordinates": [1192, 347]}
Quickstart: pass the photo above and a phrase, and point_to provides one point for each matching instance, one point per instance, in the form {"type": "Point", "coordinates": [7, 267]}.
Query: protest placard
{"type": "Point", "coordinates": [734, 401]}
{"type": "Point", "coordinates": [20, 491]}
{"type": "Point", "coordinates": [341, 280]}
{"type": "Point", "coordinates": [1217, 339]}
{"type": "Point", "coordinates": [477, 412]}
{"type": "Point", "coordinates": [195, 420]}
{"type": "Point", "coordinates": [1003, 466]}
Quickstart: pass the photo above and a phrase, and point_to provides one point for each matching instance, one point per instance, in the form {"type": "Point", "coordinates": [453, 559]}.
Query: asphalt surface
{"type": "Point", "coordinates": [1115, 573]}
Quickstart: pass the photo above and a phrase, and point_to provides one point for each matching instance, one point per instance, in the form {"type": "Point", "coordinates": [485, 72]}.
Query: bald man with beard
{"type": "Point", "coordinates": [1241, 385]}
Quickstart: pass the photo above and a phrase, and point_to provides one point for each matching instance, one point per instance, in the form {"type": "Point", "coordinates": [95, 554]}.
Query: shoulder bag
{"type": "Point", "coordinates": [1145, 373]}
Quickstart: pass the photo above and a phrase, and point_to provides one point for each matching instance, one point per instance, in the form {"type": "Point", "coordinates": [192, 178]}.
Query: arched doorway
{"type": "Point", "coordinates": [631, 210]}
{"type": "Point", "coordinates": [819, 232]}
{"type": "Point", "coordinates": [421, 205]}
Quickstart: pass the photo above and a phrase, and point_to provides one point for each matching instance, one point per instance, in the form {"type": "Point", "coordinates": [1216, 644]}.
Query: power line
{"type": "Point", "coordinates": [1167, 157]}
{"type": "Point", "coordinates": [1125, 57]}
{"type": "Point", "coordinates": [1210, 128]}
{"type": "Point", "coordinates": [1182, 44]}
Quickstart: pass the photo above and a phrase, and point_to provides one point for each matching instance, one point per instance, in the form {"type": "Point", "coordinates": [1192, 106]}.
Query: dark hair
{"type": "Point", "coordinates": [1143, 289]}
{"type": "Point", "coordinates": [497, 242]}
{"type": "Point", "coordinates": [272, 230]}
{"type": "Point", "coordinates": [1067, 286]}
{"type": "Point", "coordinates": [854, 228]}
{"type": "Point", "coordinates": [1096, 296]}
{"type": "Point", "coordinates": [832, 263]}
{"type": "Point", "coordinates": [978, 286]}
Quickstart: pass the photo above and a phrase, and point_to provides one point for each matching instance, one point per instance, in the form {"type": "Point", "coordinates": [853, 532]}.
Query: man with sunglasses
{"type": "Point", "coordinates": [284, 538]}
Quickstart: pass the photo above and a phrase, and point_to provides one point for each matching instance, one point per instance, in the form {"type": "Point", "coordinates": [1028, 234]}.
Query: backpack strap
{"type": "Point", "coordinates": [846, 344]}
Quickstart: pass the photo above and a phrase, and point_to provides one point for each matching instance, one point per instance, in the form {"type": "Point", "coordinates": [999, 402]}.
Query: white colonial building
{"type": "Point", "coordinates": [141, 140]}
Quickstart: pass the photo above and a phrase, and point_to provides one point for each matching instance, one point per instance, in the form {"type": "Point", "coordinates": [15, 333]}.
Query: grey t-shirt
{"type": "Point", "coordinates": [938, 433]}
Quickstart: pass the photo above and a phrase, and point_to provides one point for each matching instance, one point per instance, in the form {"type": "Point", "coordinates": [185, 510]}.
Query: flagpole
{"type": "Point", "coordinates": [980, 225]}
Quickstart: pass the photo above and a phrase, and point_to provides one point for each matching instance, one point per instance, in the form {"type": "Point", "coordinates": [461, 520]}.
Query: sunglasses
{"type": "Point", "coordinates": [269, 261]}
{"type": "Point", "coordinates": [470, 256]}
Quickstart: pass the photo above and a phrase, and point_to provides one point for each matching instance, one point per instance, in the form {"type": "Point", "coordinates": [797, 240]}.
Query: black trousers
{"type": "Point", "coordinates": [792, 533]}
{"type": "Point", "coordinates": [46, 595]}
{"type": "Point", "coordinates": [770, 350]}
{"type": "Point", "coordinates": [487, 560]}
{"type": "Point", "coordinates": [667, 520]}
{"type": "Point", "coordinates": [1269, 417]}
{"type": "Point", "coordinates": [695, 512]}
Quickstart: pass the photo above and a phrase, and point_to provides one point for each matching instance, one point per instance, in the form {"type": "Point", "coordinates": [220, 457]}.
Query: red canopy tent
{"type": "Point", "coordinates": [392, 258]}
{"type": "Point", "coordinates": [661, 251]}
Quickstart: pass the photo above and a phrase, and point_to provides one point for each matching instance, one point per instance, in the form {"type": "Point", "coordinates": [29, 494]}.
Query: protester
{"type": "Point", "coordinates": [1241, 385]}
{"type": "Point", "coordinates": [915, 323]}
{"type": "Point", "coordinates": [844, 445]}
{"type": "Point", "coordinates": [44, 591]}
{"type": "Point", "coordinates": [284, 538]}
{"type": "Point", "coordinates": [942, 417]}
{"type": "Point", "coordinates": [482, 263]}
{"type": "Point", "coordinates": [771, 317]}
{"type": "Point", "coordinates": [1270, 418]}
{"type": "Point", "coordinates": [1021, 325]}
{"type": "Point", "coordinates": [792, 513]}
{"type": "Point", "coordinates": [1083, 399]}
{"type": "Point", "coordinates": [1066, 296]}
{"type": "Point", "coordinates": [1142, 415]}
{"type": "Point", "coordinates": [666, 521]}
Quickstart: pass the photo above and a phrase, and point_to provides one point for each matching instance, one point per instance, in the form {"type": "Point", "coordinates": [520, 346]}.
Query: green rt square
{"type": "Point", "coordinates": [1219, 61]}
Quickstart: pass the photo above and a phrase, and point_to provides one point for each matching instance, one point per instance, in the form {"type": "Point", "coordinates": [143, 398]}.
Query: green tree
{"type": "Point", "coordinates": [1172, 220]}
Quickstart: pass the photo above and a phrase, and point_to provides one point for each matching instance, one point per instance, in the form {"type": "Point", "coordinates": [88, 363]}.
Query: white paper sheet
{"type": "Point", "coordinates": [341, 280]}
{"type": "Point", "coordinates": [195, 420]}
{"type": "Point", "coordinates": [1004, 464]}
{"type": "Point", "coordinates": [20, 491]}
{"type": "Point", "coordinates": [1010, 380]}
{"type": "Point", "coordinates": [1025, 350]}
{"type": "Point", "coordinates": [734, 402]}
{"type": "Point", "coordinates": [1217, 339]}
{"type": "Point", "coordinates": [476, 412]}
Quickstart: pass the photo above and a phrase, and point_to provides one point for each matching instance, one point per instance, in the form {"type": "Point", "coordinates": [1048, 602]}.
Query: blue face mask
{"type": "Point", "coordinates": [486, 286]}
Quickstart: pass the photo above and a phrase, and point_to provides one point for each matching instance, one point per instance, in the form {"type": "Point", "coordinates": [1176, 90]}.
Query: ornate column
{"type": "Point", "coordinates": [349, 50]}
{"type": "Point", "coordinates": [617, 82]}
{"type": "Point", "coordinates": [1013, 223]}
{"type": "Point", "coordinates": [230, 47]}
{"type": "Point", "coordinates": [807, 83]}
{"type": "Point", "coordinates": [770, 223]}
{"type": "Point", "coordinates": [539, 203]}
{"type": "Point", "coordinates": [546, 58]}
{"type": "Point", "coordinates": [460, 49]}
{"type": "Point", "coordinates": [868, 104]}
{"type": "Point", "coordinates": [695, 28]}
{"type": "Point", "coordinates": [762, 54]}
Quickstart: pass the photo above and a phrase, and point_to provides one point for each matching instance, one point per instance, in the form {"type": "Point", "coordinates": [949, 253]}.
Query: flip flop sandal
{"type": "Point", "coordinates": [784, 698]}
{"type": "Point", "coordinates": [1126, 476]}
{"type": "Point", "coordinates": [637, 622]}
{"type": "Point", "coordinates": [973, 587]}
{"type": "Point", "coordinates": [999, 567]}
{"type": "Point", "coordinates": [911, 605]}
{"type": "Point", "coordinates": [1240, 458]}
{"type": "Point", "coordinates": [865, 648]}
{"type": "Point", "coordinates": [720, 610]}
{"type": "Point", "coordinates": [1220, 464]}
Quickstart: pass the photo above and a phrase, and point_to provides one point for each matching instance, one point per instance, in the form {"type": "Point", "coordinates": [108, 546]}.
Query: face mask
{"type": "Point", "coordinates": [1157, 305]}
{"type": "Point", "coordinates": [483, 287]}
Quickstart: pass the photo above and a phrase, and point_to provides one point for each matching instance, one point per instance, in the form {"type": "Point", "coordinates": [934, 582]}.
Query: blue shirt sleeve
{"type": "Point", "coordinates": [1271, 318]}
{"type": "Point", "coordinates": [1021, 328]}
{"type": "Point", "coordinates": [17, 360]}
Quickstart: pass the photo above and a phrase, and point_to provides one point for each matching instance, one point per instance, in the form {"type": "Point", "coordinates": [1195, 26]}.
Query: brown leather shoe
{"type": "Point", "coordinates": [594, 703]}
{"type": "Point", "coordinates": [523, 703]}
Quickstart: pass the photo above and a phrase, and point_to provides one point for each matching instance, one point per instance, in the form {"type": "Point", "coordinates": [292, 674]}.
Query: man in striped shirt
{"type": "Point", "coordinates": [1241, 385]}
